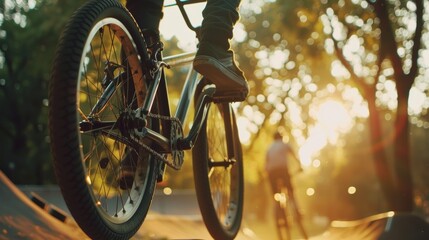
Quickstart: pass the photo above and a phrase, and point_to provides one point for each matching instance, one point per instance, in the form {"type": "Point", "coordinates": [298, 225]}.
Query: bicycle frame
{"type": "Point", "coordinates": [159, 86]}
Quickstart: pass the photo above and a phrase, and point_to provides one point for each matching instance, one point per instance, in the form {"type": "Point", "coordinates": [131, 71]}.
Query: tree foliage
{"type": "Point", "coordinates": [345, 48]}
{"type": "Point", "coordinates": [29, 32]}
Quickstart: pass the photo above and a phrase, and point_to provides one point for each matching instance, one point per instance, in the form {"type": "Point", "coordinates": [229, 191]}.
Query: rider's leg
{"type": "Point", "coordinates": [148, 14]}
{"type": "Point", "coordinates": [215, 59]}
{"type": "Point", "coordinates": [217, 28]}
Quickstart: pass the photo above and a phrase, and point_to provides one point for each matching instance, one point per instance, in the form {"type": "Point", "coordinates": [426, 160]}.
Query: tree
{"type": "Point", "coordinates": [404, 76]}
{"type": "Point", "coordinates": [29, 32]}
{"type": "Point", "coordinates": [380, 50]}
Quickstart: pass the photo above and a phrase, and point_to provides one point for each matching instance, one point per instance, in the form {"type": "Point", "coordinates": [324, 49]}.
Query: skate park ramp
{"type": "Point", "coordinates": [35, 218]}
{"type": "Point", "coordinates": [21, 218]}
{"type": "Point", "coordinates": [384, 226]}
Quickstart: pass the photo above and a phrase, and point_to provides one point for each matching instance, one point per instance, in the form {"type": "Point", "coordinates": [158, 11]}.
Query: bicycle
{"type": "Point", "coordinates": [285, 208]}
{"type": "Point", "coordinates": [109, 104]}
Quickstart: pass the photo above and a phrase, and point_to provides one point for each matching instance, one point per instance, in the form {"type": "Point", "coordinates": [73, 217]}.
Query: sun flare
{"type": "Point", "coordinates": [332, 118]}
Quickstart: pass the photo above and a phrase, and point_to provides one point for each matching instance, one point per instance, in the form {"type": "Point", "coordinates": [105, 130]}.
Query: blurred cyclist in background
{"type": "Point", "coordinates": [278, 159]}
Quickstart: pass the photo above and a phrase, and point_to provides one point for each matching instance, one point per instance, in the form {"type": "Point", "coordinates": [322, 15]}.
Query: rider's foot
{"type": "Point", "coordinates": [219, 67]}
{"type": "Point", "coordinates": [126, 173]}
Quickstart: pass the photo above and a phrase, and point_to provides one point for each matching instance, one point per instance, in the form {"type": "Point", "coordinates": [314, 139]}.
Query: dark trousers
{"type": "Point", "coordinates": [219, 18]}
{"type": "Point", "coordinates": [280, 178]}
{"type": "Point", "coordinates": [148, 13]}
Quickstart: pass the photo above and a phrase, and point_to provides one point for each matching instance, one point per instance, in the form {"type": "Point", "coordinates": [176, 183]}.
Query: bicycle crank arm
{"type": "Point", "coordinates": [162, 142]}
{"type": "Point", "coordinates": [203, 105]}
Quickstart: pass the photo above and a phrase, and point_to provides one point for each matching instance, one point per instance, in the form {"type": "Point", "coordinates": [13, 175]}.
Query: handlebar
{"type": "Point", "coordinates": [183, 2]}
{"type": "Point", "coordinates": [181, 5]}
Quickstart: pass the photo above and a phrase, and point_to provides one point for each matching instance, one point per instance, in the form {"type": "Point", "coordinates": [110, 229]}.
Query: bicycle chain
{"type": "Point", "coordinates": [177, 155]}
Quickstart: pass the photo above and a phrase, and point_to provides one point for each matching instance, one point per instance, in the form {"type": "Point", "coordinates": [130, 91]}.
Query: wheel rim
{"type": "Point", "coordinates": [101, 153]}
{"type": "Point", "coordinates": [223, 181]}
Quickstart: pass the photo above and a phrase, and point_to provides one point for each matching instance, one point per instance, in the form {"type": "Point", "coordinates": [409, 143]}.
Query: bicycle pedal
{"type": "Point", "coordinates": [229, 97]}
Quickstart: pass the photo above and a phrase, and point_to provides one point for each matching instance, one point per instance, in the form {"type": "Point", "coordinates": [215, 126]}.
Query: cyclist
{"type": "Point", "coordinates": [277, 162]}
{"type": "Point", "coordinates": [277, 168]}
{"type": "Point", "coordinates": [214, 58]}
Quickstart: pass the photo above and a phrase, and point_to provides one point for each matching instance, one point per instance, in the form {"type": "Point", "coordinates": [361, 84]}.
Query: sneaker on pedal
{"type": "Point", "coordinates": [127, 171]}
{"type": "Point", "coordinates": [220, 69]}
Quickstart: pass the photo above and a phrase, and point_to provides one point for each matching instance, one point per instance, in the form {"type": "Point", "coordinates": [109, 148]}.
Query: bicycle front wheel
{"type": "Point", "coordinates": [96, 75]}
{"type": "Point", "coordinates": [218, 172]}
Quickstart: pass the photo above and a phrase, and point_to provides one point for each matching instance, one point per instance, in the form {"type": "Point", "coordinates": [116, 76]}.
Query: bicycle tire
{"type": "Point", "coordinates": [281, 221]}
{"type": "Point", "coordinates": [87, 164]}
{"type": "Point", "coordinates": [219, 189]}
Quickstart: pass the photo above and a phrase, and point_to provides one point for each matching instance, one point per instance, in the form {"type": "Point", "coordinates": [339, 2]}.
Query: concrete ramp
{"type": "Point", "coordinates": [385, 226]}
{"type": "Point", "coordinates": [20, 218]}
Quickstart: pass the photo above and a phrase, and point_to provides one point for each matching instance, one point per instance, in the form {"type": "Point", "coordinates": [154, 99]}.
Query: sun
{"type": "Point", "coordinates": [331, 119]}
{"type": "Point", "coordinates": [333, 116]}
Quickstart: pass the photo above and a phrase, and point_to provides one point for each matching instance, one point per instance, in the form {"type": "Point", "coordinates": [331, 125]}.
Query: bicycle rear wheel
{"type": "Point", "coordinates": [96, 74]}
{"type": "Point", "coordinates": [281, 219]}
{"type": "Point", "coordinates": [218, 172]}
